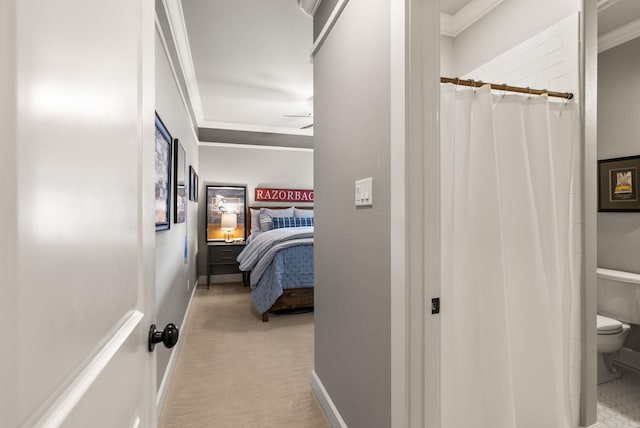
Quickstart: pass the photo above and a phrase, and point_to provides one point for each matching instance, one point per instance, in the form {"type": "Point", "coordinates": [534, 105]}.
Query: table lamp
{"type": "Point", "coordinates": [228, 224]}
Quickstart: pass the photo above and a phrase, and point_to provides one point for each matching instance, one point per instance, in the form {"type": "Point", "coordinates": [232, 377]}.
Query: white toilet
{"type": "Point", "coordinates": [618, 307]}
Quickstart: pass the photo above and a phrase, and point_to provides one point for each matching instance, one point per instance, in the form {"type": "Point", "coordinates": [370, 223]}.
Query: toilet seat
{"type": "Point", "coordinates": [608, 325]}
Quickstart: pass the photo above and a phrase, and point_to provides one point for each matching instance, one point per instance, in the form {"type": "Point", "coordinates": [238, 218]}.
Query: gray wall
{"type": "Point", "coordinates": [619, 135]}
{"type": "Point", "coordinates": [507, 25]}
{"type": "Point", "coordinates": [251, 167]}
{"type": "Point", "coordinates": [172, 274]}
{"type": "Point", "coordinates": [352, 268]}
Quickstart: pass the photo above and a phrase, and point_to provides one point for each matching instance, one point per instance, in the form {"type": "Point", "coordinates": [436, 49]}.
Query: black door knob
{"type": "Point", "coordinates": [169, 336]}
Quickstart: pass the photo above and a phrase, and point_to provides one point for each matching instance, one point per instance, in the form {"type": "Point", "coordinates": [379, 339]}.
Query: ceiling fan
{"type": "Point", "coordinates": [308, 115]}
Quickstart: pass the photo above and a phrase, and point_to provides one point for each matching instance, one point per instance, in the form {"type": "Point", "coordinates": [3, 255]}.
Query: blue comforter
{"type": "Point", "coordinates": [278, 259]}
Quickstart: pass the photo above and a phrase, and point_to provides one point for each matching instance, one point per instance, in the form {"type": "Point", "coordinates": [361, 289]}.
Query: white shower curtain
{"type": "Point", "coordinates": [506, 289]}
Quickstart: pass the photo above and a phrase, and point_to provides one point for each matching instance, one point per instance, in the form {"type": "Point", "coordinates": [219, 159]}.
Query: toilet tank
{"type": "Point", "coordinates": [619, 295]}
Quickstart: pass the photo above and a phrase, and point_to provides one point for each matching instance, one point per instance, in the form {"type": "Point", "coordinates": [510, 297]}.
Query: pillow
{"type": "Point", "coordinates": [255, 220]}
{"type": "Point", "coordinates": [280, 222]}
{"type": "Point", "coordinates": [297, 212]}
{"type": "Point", "coordinates": [266, 214]}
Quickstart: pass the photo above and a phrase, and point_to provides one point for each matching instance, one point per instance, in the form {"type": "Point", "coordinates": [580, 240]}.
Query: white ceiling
{"type": "Point", "coordinates": [251, 62]}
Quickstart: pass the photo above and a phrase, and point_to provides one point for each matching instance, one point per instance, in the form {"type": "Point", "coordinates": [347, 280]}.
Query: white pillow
{"type": "Point", "coordinates": [266, 215]}
{"type": "Point", "coordinates": [297, 212]}
{"type": "Point", "coordinates": [255, 220]}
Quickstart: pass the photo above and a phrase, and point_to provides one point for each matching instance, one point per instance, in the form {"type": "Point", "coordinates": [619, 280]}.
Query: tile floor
{"type": "Point", "coordinates": [619, 402]}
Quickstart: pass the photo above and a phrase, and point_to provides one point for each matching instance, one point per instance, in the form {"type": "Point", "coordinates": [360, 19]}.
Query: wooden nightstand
{"type": "Point", "coordinates": [221, 259]}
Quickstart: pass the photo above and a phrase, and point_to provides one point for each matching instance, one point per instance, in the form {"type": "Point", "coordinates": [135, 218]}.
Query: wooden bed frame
{"type": "Point", "coordinates": [292, 298]}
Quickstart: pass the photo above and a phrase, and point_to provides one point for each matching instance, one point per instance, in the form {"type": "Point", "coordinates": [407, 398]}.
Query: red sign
{"type": "Point", "coordinates": [283, 195]}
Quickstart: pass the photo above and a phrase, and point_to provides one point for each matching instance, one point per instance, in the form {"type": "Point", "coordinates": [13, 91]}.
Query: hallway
{"type": "Point", "coordinates": [236, 371]}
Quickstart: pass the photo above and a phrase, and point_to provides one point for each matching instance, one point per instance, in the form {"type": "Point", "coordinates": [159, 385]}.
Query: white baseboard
{"type": "Point", "coordinates": [330, 410]}
{"type": "Point", "coordinates": [168, 372]}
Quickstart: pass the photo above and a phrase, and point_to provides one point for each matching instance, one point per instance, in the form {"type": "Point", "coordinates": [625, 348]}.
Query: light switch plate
{"type": "Point", "coordinates": [364, 192]}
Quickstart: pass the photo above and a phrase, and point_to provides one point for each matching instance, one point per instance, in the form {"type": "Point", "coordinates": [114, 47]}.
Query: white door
{"type": "Point", "coordinates": [77, 243]}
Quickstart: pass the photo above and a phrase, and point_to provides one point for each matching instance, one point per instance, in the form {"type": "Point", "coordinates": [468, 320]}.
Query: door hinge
{"type": "Point", "coordinates": [435, 305]}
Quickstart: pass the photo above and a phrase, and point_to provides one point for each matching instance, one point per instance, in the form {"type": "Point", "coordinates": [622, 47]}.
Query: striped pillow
{"type": "Point", "coordinates": [266, 215]}
{"type": "Point", "coordinates": [280, 222]}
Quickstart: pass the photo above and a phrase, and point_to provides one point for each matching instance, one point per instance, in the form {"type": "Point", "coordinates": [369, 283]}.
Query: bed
{"type": "Point", "coordinates": [279, 258]}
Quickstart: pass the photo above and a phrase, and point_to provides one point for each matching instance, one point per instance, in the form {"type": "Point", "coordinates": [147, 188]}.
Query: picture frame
{"type": "Point", "coordinates": [163, 142]}
{"type": "Point", "coordinates": [224, 200]}
{"type": "Point", "coordinates": [180, 184]}
{"type": "Point", "coordinates": [193, 184]}
{"type": "Point", "coordinates": [196, 180]}
{"type": "Point", "coordinates": [618, 186]}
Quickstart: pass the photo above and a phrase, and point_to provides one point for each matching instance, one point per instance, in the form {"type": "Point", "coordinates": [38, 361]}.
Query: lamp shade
{"type": "Point", "coordinates": [229, 221]}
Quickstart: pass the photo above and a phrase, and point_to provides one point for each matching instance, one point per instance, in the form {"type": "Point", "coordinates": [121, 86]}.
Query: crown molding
{"type": "Point", "coordinates": [333, 18]}
{"type": "Point", "coordinates": [603, 4]}
{"type": "Point", "coordinates": [309, 6]}
{"type": "Point", "coordinates": [179, 34]}
{"type": "Point", "coordinates": [452, 26]}
{"type": "Point", "coordinates": [619, 36]}
{"type": "Point", "coordinates": [255, 128]}
{"type": "Point", "coordinates": [255, 147]}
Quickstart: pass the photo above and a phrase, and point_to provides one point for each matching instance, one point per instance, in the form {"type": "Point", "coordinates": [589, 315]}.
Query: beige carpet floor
{"type": "Point", "coordinates": [236, 371]}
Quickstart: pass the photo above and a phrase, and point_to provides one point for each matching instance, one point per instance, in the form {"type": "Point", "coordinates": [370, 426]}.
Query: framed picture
{"type": "Point", "coordinates": [193, 184]}
{"type": "Point", "coordinates": [226, 213]}
{"type": "Point", "coordinates": [190, 182]}
{"type": "Point", "coordinates": [618, 184]}
{"type": "Point", "coordinates": [180, 184]}
{"type": "Point", "coordinates": [163, 176]}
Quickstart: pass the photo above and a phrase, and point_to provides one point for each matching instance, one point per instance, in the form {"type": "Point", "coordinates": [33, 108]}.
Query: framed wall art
{"type": "Point", "coordinates": [163, 176]}
{"type": "Point", "coordinates": [193, 184]}
{"type": "Point", "coordinates": [618, 184]}
{"type": "Point", "coordinates": [226, 213]}
{"type": "Point", "coordinates": [180, 184]}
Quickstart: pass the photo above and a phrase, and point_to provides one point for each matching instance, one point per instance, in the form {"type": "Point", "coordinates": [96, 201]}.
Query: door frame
{"type": "Point", "coordinates": [588, 110]}
{"type": "Point", "coordinates": [415, 245]}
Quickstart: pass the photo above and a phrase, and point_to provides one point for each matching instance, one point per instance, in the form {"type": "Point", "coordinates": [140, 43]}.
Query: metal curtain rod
{"type": "Point", "coordinates": [505, 87]}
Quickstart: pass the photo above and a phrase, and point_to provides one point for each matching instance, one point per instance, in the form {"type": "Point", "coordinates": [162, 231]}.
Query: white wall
{"type": "Point", "coordinates": [547, 60]}
{"type": "Point", "coordinates": [447, 64]}
{"type": "Point", "coordinates": [507, 25]}
{"type": "Point", "coordinates": [175, 280]}
{"type": "Point", "coordinates": [251, 167]}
